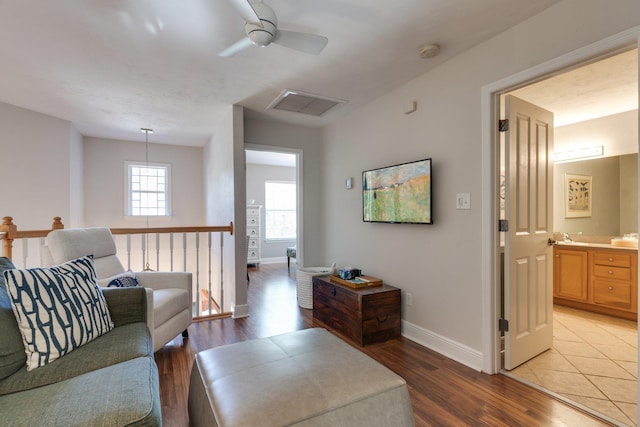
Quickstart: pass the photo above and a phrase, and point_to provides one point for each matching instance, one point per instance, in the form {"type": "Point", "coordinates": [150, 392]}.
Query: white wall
{"type": "Point", "coordinates": [441, 264]}
{"type": "Point", "coordinates": [224, 192]}
{"type": "Point", "coordinates": [76, 184]}
{"type": "Point", "coordinates": [309, 140]}
{"type": "Point", "coordinates": [36, 169]}
{"type": "Point", "coordinates": [105, 182]}
{"type": "Point", "coordinates": [256, 177]}
{"type": "Point", "coordinates": [618, 134]}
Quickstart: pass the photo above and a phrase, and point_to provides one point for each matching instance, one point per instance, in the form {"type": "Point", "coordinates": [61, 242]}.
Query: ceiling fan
{"type": "Point", "coordinates": [261, 26]}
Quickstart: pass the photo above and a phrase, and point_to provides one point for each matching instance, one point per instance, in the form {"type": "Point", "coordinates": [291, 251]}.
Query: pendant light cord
{"type": "Point", "coordinates": [146, 131]}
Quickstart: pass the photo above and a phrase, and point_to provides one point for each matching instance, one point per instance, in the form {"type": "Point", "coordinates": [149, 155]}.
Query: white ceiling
{"type": "Point", "coordinates": [601, 88]}
{"type": "Point", "coordinates": [114, 66]}
{"type": "Point", "coordinates": [270, 158]}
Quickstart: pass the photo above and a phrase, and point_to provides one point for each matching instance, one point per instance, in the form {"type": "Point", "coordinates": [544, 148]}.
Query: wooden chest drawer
{"type": "Point", "coordinates": [612, 294]}
{"type": "Point", "coordinates": [612, 259]}
{"type": "Point", "coordinates": [607, 272]}
{"type": "Point", "coordinates": [365, 316]}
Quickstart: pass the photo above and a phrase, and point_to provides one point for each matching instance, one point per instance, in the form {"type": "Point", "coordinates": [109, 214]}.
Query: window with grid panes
{"type": "Point", "coordinates": [148, 190]}
{"type": "Point", "coordinates": [280, 209]}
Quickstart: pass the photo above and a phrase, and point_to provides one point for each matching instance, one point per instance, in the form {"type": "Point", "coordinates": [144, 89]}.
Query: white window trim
{"type": "Point", "coordinates": [127, 188]}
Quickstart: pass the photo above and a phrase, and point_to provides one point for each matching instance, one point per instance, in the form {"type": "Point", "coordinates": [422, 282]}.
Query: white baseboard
{"type": "Point", "coordinates": [276, 260]}
{"type": "Point", "coordinates": [239, 311]}
{"type": "Point", "coordinates": [452, 349]}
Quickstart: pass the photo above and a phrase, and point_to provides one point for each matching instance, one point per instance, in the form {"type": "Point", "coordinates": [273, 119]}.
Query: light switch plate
{"type": "Point", "coordinates": [463, 201]}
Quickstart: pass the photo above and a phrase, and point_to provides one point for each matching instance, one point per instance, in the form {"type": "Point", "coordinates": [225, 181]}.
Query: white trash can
{"type": "Point", "coordinates": [304, 278]}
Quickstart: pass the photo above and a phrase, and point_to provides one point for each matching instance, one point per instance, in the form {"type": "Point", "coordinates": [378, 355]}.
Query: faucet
{"type": "Point", "coordinates": [566, 238]}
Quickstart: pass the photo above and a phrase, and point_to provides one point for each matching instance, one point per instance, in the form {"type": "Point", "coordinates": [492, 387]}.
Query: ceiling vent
{"type": "Point", "coordinates": [305, 103]}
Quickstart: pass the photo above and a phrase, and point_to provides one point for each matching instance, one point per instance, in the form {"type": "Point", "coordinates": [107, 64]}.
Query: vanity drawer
{"type": "Point", "coordinates": [613, 259]}
{"type": "Point", "coordinates": [252, 221]}
{"type": "Point", "coordinates": [253, 244]}
{"type": "Point", "coordinates": [612, 294]}
{"type": "Point", "coordinates": [607, 272]}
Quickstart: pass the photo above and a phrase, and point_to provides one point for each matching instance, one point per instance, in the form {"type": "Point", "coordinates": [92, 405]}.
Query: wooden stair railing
{"type": "Point", "coordinates": [9, 233]}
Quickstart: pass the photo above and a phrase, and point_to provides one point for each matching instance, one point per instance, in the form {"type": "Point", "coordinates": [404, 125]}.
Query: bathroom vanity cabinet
{"type": "Point", "coordinates": [596, 278]}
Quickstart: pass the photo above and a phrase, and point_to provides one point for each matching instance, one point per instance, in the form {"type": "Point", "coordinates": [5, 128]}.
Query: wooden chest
{"type": "Point", "coordinates": [365, 316]}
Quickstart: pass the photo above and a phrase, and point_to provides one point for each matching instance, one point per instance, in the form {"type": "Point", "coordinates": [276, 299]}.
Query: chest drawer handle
{"type": "Point", "coordinates": [610, 259]}
{"type": "Point", "coordinates": [610, 272]}
{"type": "Point", "coordinates": [386, 316]}
{"type": "Point", "coordinates": [610, 288]}
{"type": "Point", "coordinates": [333, 292]}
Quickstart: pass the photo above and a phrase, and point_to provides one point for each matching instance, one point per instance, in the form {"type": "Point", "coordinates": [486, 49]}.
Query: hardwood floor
{"type": "Point", "coordinates": [443, 392]}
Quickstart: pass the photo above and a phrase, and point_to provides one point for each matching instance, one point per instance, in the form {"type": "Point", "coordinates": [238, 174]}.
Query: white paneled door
{"type": "Point", "coordinates": [528, 256]}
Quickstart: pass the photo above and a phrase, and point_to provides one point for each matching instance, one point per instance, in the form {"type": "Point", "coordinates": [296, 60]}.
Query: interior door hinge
{"type": "Point", "coordinates": [503, 225]}
{"type": "Point", "coordinates": [503, 125]}
{"type": "Point", "coordinates": [503, 325]}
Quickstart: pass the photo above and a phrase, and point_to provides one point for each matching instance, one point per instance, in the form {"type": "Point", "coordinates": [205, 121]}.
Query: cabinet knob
{"type": "Point", "coordinates": [333, 292]}
{"type": "Point", "coordinates": [610, 272]}
{"type": "Point", "coordinates": [610, 288]}
{"type": "Point", "coordinates": [610, 259]}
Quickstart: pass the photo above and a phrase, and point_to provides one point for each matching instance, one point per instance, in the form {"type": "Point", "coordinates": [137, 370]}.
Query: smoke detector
{"type": "Point", "coordinates": [429, 50]}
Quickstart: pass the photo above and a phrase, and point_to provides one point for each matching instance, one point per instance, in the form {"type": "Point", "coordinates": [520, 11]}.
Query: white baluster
{"type": "Point", "coordinates": [25, 252]}
{"type": "Point", "coordinates": [157, 251]}
{"type": "Point", "coordinates": [143, 241]}
{"type": "Point", "coordinates": [171, 251]}
{"type": "Point", "coordinates": [221, 273]}
{"type": "Point", "coordinates": [209, 269]}
{"type": "Point", "coordinates": [128, 252]}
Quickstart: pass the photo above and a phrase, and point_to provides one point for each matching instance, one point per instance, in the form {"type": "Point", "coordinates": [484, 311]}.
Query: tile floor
{"type": "Point", "coordinates": [593, 362]}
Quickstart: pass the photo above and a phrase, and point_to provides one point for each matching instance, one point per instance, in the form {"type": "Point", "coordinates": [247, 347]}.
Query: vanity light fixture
{"type": "Point", "coordinates": [582, 153]}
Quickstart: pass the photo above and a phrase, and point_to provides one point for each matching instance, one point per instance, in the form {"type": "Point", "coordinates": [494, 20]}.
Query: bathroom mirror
{"type": "Point", "coordinates": [613, 198]}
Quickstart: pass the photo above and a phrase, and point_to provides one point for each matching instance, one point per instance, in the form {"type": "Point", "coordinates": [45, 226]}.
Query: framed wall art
{"type": "Point", "coordinates": [578, 193]}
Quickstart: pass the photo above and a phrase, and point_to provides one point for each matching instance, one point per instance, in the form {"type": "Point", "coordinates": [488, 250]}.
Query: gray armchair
{"type": "Point", "coordinates": [169, 294]}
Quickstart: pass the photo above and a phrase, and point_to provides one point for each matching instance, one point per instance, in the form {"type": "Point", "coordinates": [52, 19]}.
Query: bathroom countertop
{"type": "Point", "coordinates": [588, 245]}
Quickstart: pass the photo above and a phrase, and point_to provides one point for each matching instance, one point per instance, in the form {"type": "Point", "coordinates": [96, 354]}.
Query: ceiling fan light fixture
{"type": "Point", "coordinates": [261, 27]}
{"type": "Point", "coordinates": [261, 37]}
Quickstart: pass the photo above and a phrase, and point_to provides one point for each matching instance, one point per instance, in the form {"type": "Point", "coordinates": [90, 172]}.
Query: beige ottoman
{"type": "Point", "coordinates": [306, 378]}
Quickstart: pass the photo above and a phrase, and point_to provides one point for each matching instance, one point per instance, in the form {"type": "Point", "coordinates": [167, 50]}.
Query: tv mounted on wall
{"type": "Point", "coordinates": [399, 194]}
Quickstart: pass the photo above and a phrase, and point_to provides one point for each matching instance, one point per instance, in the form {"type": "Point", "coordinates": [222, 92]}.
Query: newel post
{"type": "Point", "coordinates": [57, 223]}
{"type": "Point", "coordinates": [11, 230]}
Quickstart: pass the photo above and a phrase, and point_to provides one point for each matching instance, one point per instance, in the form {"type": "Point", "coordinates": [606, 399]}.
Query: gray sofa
{"type": "Point", "coordinates": [110, 381]}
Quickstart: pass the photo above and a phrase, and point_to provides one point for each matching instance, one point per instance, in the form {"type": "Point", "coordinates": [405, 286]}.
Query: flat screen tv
{"type": "Point", "coordinates": [399, 194]}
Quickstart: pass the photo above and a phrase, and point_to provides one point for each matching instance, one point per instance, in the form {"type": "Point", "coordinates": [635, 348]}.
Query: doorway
{"type": "Point", "coordinates": [268, 170]}
{"type": "Point", "coordinates": [593, 361]}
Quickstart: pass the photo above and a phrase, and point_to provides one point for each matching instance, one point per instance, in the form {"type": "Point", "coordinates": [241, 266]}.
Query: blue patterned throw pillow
{"type": "Point", "coordinates": [58, 309]}
{"type": "Point", "coordinates": [124, 280]}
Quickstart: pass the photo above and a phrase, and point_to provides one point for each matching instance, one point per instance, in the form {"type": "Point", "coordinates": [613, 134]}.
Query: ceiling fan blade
{"type": "Point", "coordinates": [303, 42]}
{"type": "Point", "coordinates": [246, 11]}
{"type": "Point", "coordinates": [236, 48]}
